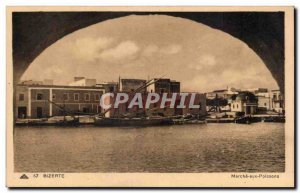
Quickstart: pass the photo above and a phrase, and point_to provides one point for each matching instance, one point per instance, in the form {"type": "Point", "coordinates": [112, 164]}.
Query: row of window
{"type": "Point", "coordinates": [233, 106]}
{"type": "Point", "coordinates": [66, 96]}
{"type": "Point", "coordinates": [276, 97]}
{"type": "Point", "coordinates": [87, 96]}
{"type": "Point", "coordinates": [237, 106]}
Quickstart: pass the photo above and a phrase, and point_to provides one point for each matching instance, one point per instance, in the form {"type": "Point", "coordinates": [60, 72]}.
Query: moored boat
{"type": "Point", "coordinates": [53, 121]}
{"type": "Point", "coordinates": [145, 121]}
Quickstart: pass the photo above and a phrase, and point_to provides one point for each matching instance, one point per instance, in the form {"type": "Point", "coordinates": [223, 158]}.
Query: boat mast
{"type": "Point", "coordinates": [148, 83]}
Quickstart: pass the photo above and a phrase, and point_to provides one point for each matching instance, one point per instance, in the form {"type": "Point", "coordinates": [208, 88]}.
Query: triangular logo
{"type": "Point", "coordinates": [24, 177]}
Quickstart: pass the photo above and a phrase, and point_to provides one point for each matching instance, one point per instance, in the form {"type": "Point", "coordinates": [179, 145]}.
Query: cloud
{"type": "Point", "coordinates": [89, 48]}
{"type": "Point", "coordinates": [204, 61]}
{"type": "Point", "coordinates": [124, 50]}
{"type": "Point", "coordinates": [171, 49]}
{"type": "Point", "coordinates": [150, 49]}
{"type": "Point", "coordinates": [165, 50]}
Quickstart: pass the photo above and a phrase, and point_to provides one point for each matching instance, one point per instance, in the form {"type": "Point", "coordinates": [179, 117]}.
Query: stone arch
{"type": "Point", "coordinates": [263, 32]}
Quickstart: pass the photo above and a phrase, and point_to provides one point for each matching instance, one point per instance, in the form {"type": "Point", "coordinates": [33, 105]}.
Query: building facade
{"type": "Point", "coordinates": [41, 101]}
{"type": "Point", "coordinates": [164, 85]}
{"type": "Point", "coordinates": [277, 101]}
{"type": "Point", "coordinates": [244, 102]}
{"type": "Point", "coordinates": [82, 81]}
{"type": "Point", "coordinates": [264, 103]}
{"type": "Point", "coordinates": [155, 109]}
{"type": "Point", "coordinates": [109, 86]}
{"type": "Point", "coordinates": [129, 85]}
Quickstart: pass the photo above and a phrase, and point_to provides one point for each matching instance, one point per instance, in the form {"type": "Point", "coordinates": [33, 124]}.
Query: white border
{"type": "Point", "coordinates": [5, 3]}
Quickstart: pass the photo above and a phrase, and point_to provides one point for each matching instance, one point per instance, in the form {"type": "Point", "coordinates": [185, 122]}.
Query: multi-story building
{"type": "Point", "coordinates": [277, 101]}
{"type": "Point", "coordinates": [109, 86]}
{"type": "Point", "coordinates": [38, 101]}
{"type": "Point", "coordinates": [155, 108]}
{"type": "Point", "coordinates": [129, 85]}
{"type": "Point", "coordinates": [264, 103]}
{"type": "Point", "coordinates": [220, 100]}
{"type": "Point", "coordinates": [164, 85]}
{"type": "Point", "coordinates": [257, 90]}
{"type": "Point", "coordinates": [82, 81]}
{"type": "Point", "coordinates": [222, 93]}
{"type": "Point", "coordinates": [245, 102]}
{"type": "Point", "coordinates": [37, 82]}
{"type": "Point", "coordinates": [174, 86]}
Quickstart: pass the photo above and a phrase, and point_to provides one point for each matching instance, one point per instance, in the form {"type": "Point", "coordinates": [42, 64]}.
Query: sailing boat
{"type": "Point", "coordinates": [101, 120]}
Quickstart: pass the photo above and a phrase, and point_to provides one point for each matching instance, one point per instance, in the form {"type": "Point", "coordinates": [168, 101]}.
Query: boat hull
{"type": "Point", "coordinates": [49, 123]}
{"type": "Point", "coordinates": [132, 122]}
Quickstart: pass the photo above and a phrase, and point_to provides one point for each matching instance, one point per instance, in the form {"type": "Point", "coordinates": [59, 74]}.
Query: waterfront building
{"type": "Point", "coordinates": [37, 82]}
{"type": "Point", "coordinates": [82, 81]}
{"type": "Point", "coordinates": [264, 102]}
{"type": "Point", "coordinates": [244, 102]}
{"type": "Point", "coordinates": [257, 90]}
{"type": "Point", "coordinates": [222, 93]}
{"type": "Point", "coordinates": [155, 109]}
{"type": "Point", "coordinates": [129, 85]}
{"type": "Point", "coordinates": [164, 85]}
{"type": "Point", "coordinates": [220, 100]}
{"type": "Point", "coordinates": [109, 86]}
{"type": "Point", "coordinates": [269, 100]}
{"type": "Point", "coordinates": [39, 101]}
{"type": "Point", "coordinates": [174, 86]}
{"type": "Point", "coordinates": [277, 101]}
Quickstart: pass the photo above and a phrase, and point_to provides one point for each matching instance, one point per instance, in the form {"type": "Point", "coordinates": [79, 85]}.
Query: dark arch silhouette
{"type": "Point", "coordinates": [33, 32]}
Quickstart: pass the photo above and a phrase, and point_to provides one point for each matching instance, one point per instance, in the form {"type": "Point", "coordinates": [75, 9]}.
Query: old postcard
{"type": "Point", "coordinates": [150, 97]}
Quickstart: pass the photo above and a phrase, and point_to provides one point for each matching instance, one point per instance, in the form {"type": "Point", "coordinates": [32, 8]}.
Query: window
{"type": "Point", "coordinates": [53, 96]}
{"type": "Point", "coordinates": [200, 107]}
{"type": "Point", "coordinates": [274, 96]}
{"type": "Point", "coordinates": [76, 96]}
{"type": "Point", "coordinates": [265, 104]}
{"type": "Point", "coordinates": [96, 97]}
{"type": "Point", "coordinates": [21, 97]}
{"type": "Point", "coordinates": [233, 106]}
{"type": "Point", "coordinates": [85, 110]}
{"type": "Point", "coordinates": [86, 96]}
{"type": "Point", "coordinates": [39, 96]}
{"type": "Point", "coordinates": [66, 96]}
{"type": "Point", "coordinates": [237, 106]}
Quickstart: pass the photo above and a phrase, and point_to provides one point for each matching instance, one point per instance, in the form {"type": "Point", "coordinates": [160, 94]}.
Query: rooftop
{"type": "Point", "coordinates": [60, 86]}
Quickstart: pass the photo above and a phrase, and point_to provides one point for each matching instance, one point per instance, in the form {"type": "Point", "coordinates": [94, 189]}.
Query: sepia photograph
{"type": "Point", "coordinates": [150, 96]}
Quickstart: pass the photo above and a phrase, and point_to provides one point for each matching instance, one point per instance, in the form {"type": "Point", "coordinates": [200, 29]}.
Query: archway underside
{"type": "Point", "coordinates": [33, 32]}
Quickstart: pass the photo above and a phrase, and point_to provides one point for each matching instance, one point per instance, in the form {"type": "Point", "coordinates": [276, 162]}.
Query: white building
{"type": "Point", "coordinates": [245, 102]}
{"type": "Point", "coordinates": [277, 101]}
{"type": "Point", "coordinates": [82, 81]}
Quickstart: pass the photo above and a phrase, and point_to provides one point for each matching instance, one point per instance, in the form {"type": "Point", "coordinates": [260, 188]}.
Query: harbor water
{"type": "Point", "coordinates": [199, 148]}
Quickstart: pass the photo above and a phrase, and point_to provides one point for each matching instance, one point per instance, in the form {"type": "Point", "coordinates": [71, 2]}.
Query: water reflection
{"type": "Point", "coordinates": [190, 148]}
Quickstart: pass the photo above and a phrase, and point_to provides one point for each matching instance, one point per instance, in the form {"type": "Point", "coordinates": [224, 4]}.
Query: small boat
{"type": "Point", "coordinates": [278, 119]}
{"type": "Point", "coordinates": [246, 120]}
{"type": "Point", "coordinates": [243, 120]}
{"type": "Point", "coordinates": [53, 121]}
{"type": "Point", "coordinates": [144, 121]}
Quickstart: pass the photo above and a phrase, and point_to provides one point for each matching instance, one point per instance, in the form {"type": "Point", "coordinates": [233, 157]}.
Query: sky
{"type": "Point", "coordinates": [200, 57]}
